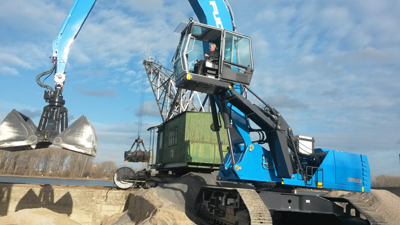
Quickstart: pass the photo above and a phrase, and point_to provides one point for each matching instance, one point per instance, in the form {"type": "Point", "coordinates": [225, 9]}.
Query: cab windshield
{"type": "Point", "coordinates": [234, 53]}
{"type": "Point", "coordinates": [178, 60]}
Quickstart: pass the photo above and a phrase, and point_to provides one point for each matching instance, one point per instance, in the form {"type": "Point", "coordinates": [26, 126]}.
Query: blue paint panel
{"type": "Point", "coordinates": [366, 176]}
{"type": "Point", "coordinates": [214, 13]}
{"type": "Point", "coordinates": [349, 169]}
{"type": "Point", "coordinates": [328, 167]}
{"type": "Point", "coordinates": [341, 171]}
{"type": "Point", "coordinates": [333, 173]}
{"type": "Point", "coordinates": [250, 166]}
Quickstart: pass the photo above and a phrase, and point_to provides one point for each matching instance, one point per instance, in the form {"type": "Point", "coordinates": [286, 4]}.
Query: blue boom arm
{"type": "Point", "coordinates": [69, 30]}
{"type": "Point", "coordinates": [214, 13]}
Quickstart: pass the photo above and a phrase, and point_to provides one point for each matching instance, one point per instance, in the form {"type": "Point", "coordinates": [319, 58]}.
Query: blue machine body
{"type": "Point", "coordinates": [253, 163]}
{"type": "Point", "coordinates": [339, 170]}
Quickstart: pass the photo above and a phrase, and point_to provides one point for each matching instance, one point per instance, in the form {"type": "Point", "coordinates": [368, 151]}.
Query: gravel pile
{"type": "Point", "coordinates": [388, 205]}
{"type": "Point", "coordinates": [385, 203]}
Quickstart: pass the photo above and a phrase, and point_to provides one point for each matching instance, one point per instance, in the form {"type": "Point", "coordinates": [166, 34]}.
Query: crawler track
{"type": "Point", "coordinates": [373, 217]}
{"type": "Point", "coordinates": [245, 206]}
{"type": "Point", "coordinates": [259, 213]}
{"type": "Point", "coordinates": [248, 208]}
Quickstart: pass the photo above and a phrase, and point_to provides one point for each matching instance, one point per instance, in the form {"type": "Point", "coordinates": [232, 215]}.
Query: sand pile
{"type": "Point", "coordinates": [147, 207]}
{"type": "Point", "coordinates": [39, 216]}
{"type": "Point", "coordinates": [383, 202]}
{"type": "Point", "coordinates": [171, 203]}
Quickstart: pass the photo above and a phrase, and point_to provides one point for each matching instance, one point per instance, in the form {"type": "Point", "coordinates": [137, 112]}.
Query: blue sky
{"type": "Point", "coordinates": [330, 67]}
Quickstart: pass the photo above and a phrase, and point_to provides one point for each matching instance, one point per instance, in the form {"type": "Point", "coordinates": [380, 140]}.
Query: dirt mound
{"type": "Point", "coordinates": [37, 216]}
{"type": "Point", "coordinates": [385, 203]}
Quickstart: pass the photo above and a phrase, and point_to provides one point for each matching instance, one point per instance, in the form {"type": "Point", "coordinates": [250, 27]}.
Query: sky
{"type": "Point", "coordinates": [331, 68]}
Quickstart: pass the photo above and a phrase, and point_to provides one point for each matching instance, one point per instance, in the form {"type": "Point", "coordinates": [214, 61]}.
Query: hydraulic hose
{"type": "Point", "coordinates": [48, 72]}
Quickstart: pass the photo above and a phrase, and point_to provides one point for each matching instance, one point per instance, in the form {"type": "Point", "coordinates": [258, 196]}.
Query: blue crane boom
{"type": "Point", "coordinates": [214, 13]}
{"type": "Point", "coordinates": [73, 23]}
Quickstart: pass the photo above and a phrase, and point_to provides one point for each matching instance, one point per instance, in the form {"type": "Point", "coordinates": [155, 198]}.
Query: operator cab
{"type": "Point", "coordinates": [234, 65]}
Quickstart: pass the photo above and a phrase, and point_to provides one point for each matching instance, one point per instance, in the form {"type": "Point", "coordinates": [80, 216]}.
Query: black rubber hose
{"type": "Point", "coordinates": [50, 71]}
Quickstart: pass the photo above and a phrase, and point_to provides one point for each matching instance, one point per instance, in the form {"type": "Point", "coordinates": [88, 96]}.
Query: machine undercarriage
{"type": "Point", "coordinates": [247, 206]}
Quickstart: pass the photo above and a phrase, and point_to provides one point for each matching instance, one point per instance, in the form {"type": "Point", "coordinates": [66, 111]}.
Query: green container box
{"type": "Point", "coordinates": [187, 141]}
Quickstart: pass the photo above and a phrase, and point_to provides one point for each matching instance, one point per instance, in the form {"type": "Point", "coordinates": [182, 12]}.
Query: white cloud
{"type": "Point", "coordinates": [98, 93]}
{"type": "Point", "coordinates": [284, 101]}
{"type": "Point", "coordinates": [148, 108]}
{"type": "Point", "coordinates": [31, 114]}
{"type": "Point", "coordinates": [31, 15]}
{"type": "Point", "coordinates": [5, 70]}
{"type": "Point", "coordinates": [12, 60]}
{"type": "Point", "coordinates": [113, 36]}
{"type": "Point", "coordinates": [363, 57]}
{"type": "Point", "coordinates": [147, 6]}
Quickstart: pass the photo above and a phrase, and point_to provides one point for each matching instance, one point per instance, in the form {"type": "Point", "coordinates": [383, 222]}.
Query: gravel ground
{"type": "Point", "coordinates": [176, 201]}
{"type": "Point", "coordinates": [173, 203]}
{"type": "Point", "coordinates": [387, 204]}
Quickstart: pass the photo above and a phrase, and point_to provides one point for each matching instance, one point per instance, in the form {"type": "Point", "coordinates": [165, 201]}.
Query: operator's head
{"type": "Point", "coordinates": [212, 47]}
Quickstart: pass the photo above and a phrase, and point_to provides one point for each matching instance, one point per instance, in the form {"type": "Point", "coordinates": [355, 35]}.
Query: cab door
{"type": "Point", "coordinates": [237, 63]}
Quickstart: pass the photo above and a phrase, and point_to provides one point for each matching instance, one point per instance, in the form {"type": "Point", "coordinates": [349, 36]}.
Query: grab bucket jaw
{"type": "Point", "coordinates": [137, 156]}
{"type": "Point", "coordinates": [18, 132]}
{"type": "Point", "coordinates": [80, 136]}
